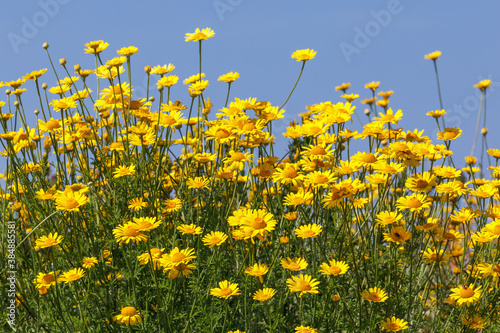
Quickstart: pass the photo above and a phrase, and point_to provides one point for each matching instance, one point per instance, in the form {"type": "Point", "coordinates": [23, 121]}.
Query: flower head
{"type": "Point", "coordinates": [466, 294]}
{"type": "Point", "coordinates": [374, 295]}
{"type": "Point", "coordinates": [334, 268]}
{"type": "Point", "coordinates": [304, 55]}
{"type": "Point", "coordinates": [214, 238]}
{"type": "Point", "coordinates": [433, 55]}
{"type": "Point", "coordinates": [128, 316]}
{"type": "Point", "coordinates": [72, 275]}
{"type": "Point", "coordinates": [199, 35]}
{"type": "Point", "coordinates": [263, 295]}
{"type": "Point", "coordinates": [48, 241]}
{"type": "Point", "coordinates": [226, 289]}
{"type": "Point", "coordinates": [303, 283]}
{"type": "Point", "coordinates": [394, 324]}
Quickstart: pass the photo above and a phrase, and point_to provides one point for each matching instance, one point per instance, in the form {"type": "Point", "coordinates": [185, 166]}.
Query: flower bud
{"type": "Point", "coordinates": [44, 86]}
{"type": "Point", "coordinates": [62, 61]}
{"type": "Point", "coordinates": [37, 112]}
{"type": "Point", "coordinates": [45, 45]}
{"type": "Point", "coordinates": [147, 69]}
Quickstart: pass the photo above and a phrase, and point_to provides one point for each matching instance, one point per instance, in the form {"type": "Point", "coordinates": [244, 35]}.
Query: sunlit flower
{"type": "Point", "coordinates": [397, 235]}
{"type": "Point", "coordinates": [72, 275]}
{"type": "Point", "coordinates": [305, 329]}
{"type": "Point", "coordinates": [309, 231]}
{"type": "Point", "coordinates": [128, 232]}
{"type": "Point", "coordinates": [257, 270]}
{"type": "Point", "coordinates": [96, 47]}
{"type": "Point", "coordinates": [199, 35]}
{"type": "Point", "coordinates": [334, 268]}
{"type": "Point", "coordinates": [214, 238]}
{"type": "Point", "coordinates": [263, 295]}
{"type": "Point", "coordinates": [303, 55]}
{"type": "Point", "coordinates": [89, 262]}
{"type": "Point", "coordinates": [374, 295]}
{"type": "Point", "coordinates": [226, 289]}
{"type": "Point", "coordinates": [433, 55]}
{"type": "Point", "coordinates": [306, 284]}
{"type": "Point", "coordinates": [295, 264]}
{"type": "Point", "coordinates": [48, 241]}
{"type": "Point", "coordinates": [394, 324]}
{"type": "Point", "coordinates": [123, 170]}
{"type": "Point", "coordinates": [128, 316]}
{"type": "Point", "coordinates": [70, 201]}
{"type": "Point", "coordinates": [466, 294]}
{"type": "Point", "coordinates": [189, 229]}
{"type": "Point", "coordinates": [229, 77]}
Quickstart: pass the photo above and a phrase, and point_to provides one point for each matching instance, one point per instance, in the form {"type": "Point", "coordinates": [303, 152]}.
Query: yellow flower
{"type": "Point", "coordinates": [334, 268]}
{"type": "Point", "coordinates": [343, 87]}
{"type": "Point", "coordinates": [374, 295]}
{"type": "Point", "coordinates": [48, 241]}
{"type": "Point", "coordinates": [385, 218]}
{"type": "Point", "coordinates": [257, 270]}
{"type": "Point", "coordinates": [127, 51]}
{"type": "Point", "coordinates": [263, 295]}
{"type": "Point", "coordinates": [303, 55]}
{"type": "Point", "coordinates": [198, 183]}
{"type": "Point", "coordinates": [483, 84]}
{"type": "Point", "coordinates": [436, 114]}
{"type": "Point", "coordinates": [199, 35]}
{"type": "Point", "coordinates": [394, 324]}
{"type": "Point", "coordinates": [397, 235]}
{"type": "Point", "coordinates": [372, 85]}
{"type": "Point", "coordinates": [295, 264]}
{"type": "Point", "coordinates": [128, 232]}
{"type": "Point", "coordinates": [45, 280]}
{"type": "Point", "coordinates": [72, 275]}
{"type": "Point", "coordinates": [155, 257]}
{"type": "Point", "coordinates": [63, 104]}
{"type": "Point", "coordinates": [214, 238]}
{"type": "Point", "coordinates": [466, 294]}
{"type": "Point", "coordinates": [305, 329]}
{"type": "Point", "coordinates": [432, 256]}
{"type": "Point", "coordinates": [70, 201]}
{"type": "Point", "coordinates": [390, 117]}
{"type": "Point", "coordinates": [189, 229]}
{"type": "Point", "coordinates": [229, 77]}
{"type": "Point", "coordinates": [89, 262]}
{"type": "Point", "coordinates": [414, 203]}
{"type": "Point", "coordinates": [303, 283]}
{"type": "Point", "coordinates": [257, 223]}
{"type": "Point", "coordinates": [450, 133]}
{"type": "Point", "coordinates": [309, 231]}
{"type": "Point", "coordinates": [226, 289]}
{"type": "Point", "coordinates": [161, 70]}
{"type": "Point", "coordinates": [128, 316]}
{"type": "Point", "coordinates": [433, 55]}
{"type": "Point", "coordinates": [137, 204]}
{"type": "Point", "coordinates": [167, 81]}
{"type": "Point", "coordinates": [177, 257]}
{"type": "Point", "coordinates": [124, 171]}
{"type": "Point", "coordinates": [96, 47]}
{"type": "Point", "coordinates": [146, 223]}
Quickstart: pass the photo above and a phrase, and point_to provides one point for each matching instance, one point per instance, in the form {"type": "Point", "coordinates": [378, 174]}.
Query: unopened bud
{"type": "Point", "coordinates": [484, 131]}
{"type": "Point", "coordinates": [151, 98]}
{"type": "Point", "coordinates": [45, 45]}
{"type": "Point", "coordinates": [44, 86]}
{"type": "Point", "coordinates": [77, 68]}
{"type": "Point", "coordinates": [16, 103]}
{"type": "Point", "coordinates": [367, 112]}
{"type": "Point", "coordinates": [160, 88]}
{"type": "Point", "coordinates": [8, 92]}
{"type": "Point", "coordinates": [62, 61]}
{"type": "Point", "coordinates": [147, 69]}
{"type": "Point", "coordinates": [37, 112]}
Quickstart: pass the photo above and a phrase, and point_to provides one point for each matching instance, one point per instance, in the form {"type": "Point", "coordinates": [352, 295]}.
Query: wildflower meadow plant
{"type": "Point", "coordinates": [169, 215]}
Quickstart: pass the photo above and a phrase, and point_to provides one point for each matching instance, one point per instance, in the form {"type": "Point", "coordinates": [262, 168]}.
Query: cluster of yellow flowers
{"type": "Point", "coordinates": [129, 189]}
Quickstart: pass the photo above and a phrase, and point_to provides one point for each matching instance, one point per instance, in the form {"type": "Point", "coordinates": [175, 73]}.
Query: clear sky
{"type": "Point", "coordinates": [356, 41]}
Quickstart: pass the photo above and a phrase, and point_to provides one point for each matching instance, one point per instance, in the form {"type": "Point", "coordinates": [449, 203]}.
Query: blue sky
{"type": "Point", "coordinates": [356, 41]}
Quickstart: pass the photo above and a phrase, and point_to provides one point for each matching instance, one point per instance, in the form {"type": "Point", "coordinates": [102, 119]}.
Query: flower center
{"type": "Point", "coordinates": [466, 292]}
{"type": "Point", "coordinates": [215, 240]}
{"type": "Point", "coordinates": [259, 223]}
{"type": "Point", "coordinates": [293, 266]}
{"type": "Point", "coordinates": [249, 127]}
{"type": "Point", "coordinates": [318, 150]}
{"type": "Point", "coordinates": [304, 285]}
{"type": "Point", "coordinates": [178, 257]}
{"type": "Point", "coordinates": [289, 172]}
{"type": "Point", "coordinates": [130, 231]}
{"type": "Point", "coordinates": [72, 203]}
{"type": "Point", "coordinates": [421, 183]}
{"type": "Point", "coordinates": [414, 203]}
{"type": "Point", "coordinates": [48, 279]}
{"type": "Point", "coordinates": [375, 297]}
{"type": "Point", "coordinates": [335, 270]}
{"type": "Point", "coordinates": [221, 133]}
{"type": "Point", "coordinates": [226, 291]}
{"type": "Point", "coordinates": [129, 311]}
